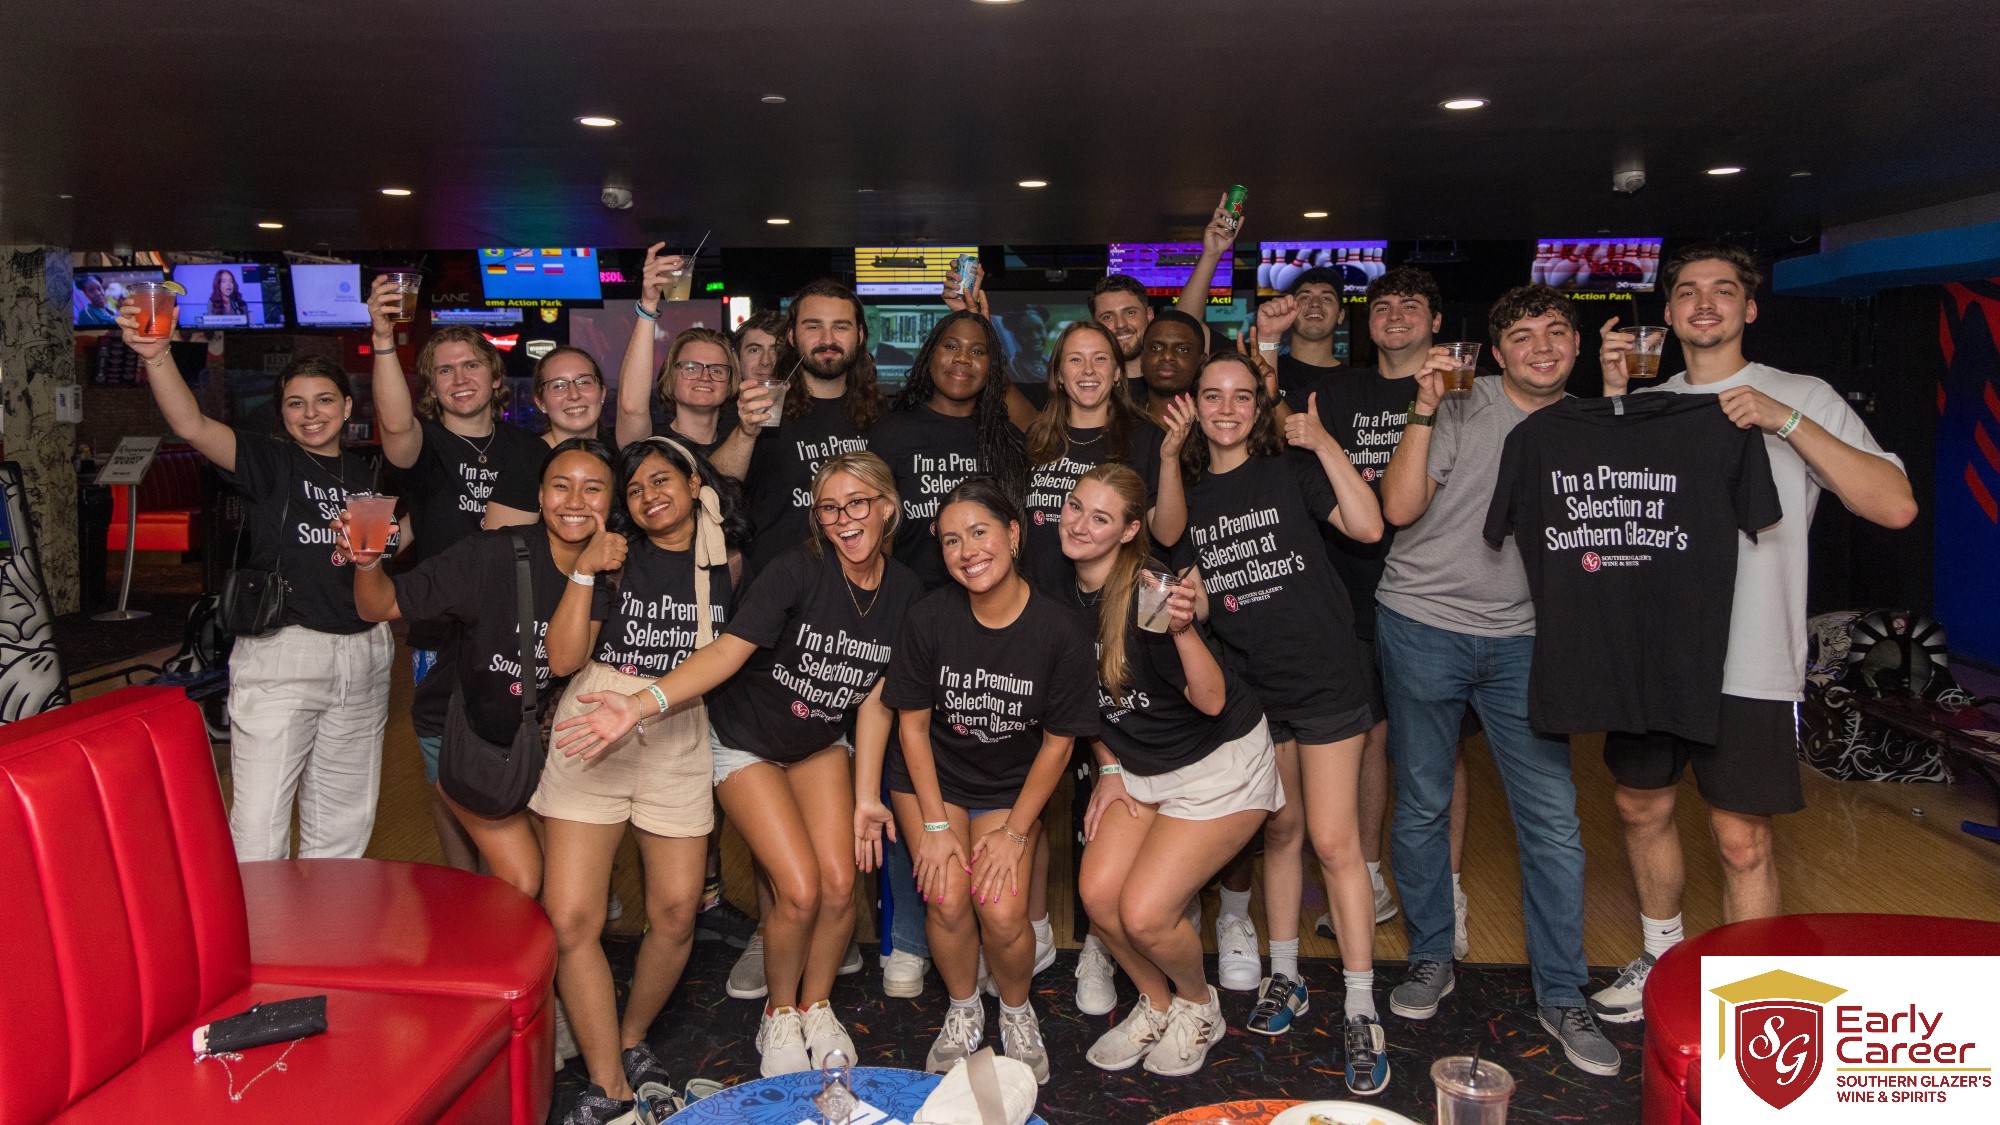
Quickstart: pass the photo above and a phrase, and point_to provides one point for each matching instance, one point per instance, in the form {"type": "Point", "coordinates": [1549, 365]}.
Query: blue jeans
{"type": "Point", "coordinates": [1429, 675]}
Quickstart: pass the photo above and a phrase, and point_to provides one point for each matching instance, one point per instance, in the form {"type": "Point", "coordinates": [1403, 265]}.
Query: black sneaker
{"type": "Point", "coordinates": [652, 1084]}
{"type": "Point", "coordinates": [724, 923]}
{"type": "Point", "coordinates": [596, 1109]}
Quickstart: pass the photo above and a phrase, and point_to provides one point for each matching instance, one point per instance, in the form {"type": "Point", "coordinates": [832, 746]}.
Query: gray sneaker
{"type": "Point", "coordinates": [1428, 983]}
{"type": "Point", "coordinates": [964, 1028]}
{"type": "Point", "coordinates": [1021, 1040]}
{"type": "Point", "coordinates": [746, 977]}
{"type": "Point", "coordinates": [1625, 1000]}
{"type": "Point", "coordinates": [1586, 1046]}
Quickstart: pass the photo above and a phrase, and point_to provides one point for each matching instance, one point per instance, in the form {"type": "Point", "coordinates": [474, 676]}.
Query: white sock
{"type": "Point", "coordinates": [976, 1005]}
{"type": "Point", "coordinates": [1285, 958]}
{"type": "Point", "coordinates": [1375, 873]}
{"type": "Point", "coordinates": [1360, 993]}
{"type": "Point", "coordinates": [1045, 934]}
{"type": "Point", "coordinates": [1454, 883]}
{"type": "Point", "coordinates": [1236, 902]}
{"type": "Point", "coordinates": [1661, 935]}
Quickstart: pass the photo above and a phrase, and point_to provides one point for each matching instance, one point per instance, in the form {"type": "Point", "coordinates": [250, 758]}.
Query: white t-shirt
{"type": "Point", "coordinates": [1767, 625]}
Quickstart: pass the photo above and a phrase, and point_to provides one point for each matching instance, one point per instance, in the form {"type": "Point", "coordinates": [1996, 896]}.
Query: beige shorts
{"type": "Point", "coordinates": [1235, 777]}
{"type": "Point", "coordinates": [660, 784]}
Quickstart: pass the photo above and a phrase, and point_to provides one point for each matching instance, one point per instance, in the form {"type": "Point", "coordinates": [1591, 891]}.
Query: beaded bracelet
{"type": "Point", "coordinates": [937, 825]}
{"type": "Point", "coordinates": [641, 310]}
{"type": "Point", "coordinates": [1011, 835]}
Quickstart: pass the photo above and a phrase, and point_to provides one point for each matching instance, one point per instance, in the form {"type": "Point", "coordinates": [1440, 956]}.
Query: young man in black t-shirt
{"type": "Point", "coordinates": [1119, 304]}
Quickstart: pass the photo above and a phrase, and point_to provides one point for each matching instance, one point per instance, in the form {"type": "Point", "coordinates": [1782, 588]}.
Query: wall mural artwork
{"type": "Point", "coordinates": [1967, 544]}
{"type": "Point", "coordinates": [37, 355]}
{"type": "Point", "coordinates": [31, 677]}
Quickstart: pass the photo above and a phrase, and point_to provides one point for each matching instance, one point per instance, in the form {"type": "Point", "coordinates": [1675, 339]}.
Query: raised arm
{"type": "Point", "coordinates": [374, 593]}
{"type": "Point", "coordinates": [1356, 513]}
{"type": "Point", "coordinates": [1205, 689]}
{"type": "Point", "coordinates": [1407, 486]}
{"type": "Point", "coordinates": [1218, 237]}
{"type": "Point", "coordinates": [1167, 520]}
{"type": "Point", "coordinates": [635, 373]}
{"type": "Point", "coordinates": [571, 631]}
{"type": "Point", "coordinates": [395, 415]}
{"type": "Point", "coordinates": [177, 403]}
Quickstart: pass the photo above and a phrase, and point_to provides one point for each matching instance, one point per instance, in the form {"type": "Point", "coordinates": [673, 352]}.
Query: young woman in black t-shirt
{"type": "Point", "coordinates": [1283, 618]}
{"type": "Point", "coordinates": [569, 390]}
{"type": "Point", "coordinates": [472, 587]}
{"type": "Point", "coordinates": [694, 389]}
{"type": "Point", "coordinates": [1187, 775]}
{"type": "Point", "coordinates": [804, 650]}
{"type": "Point", "coordinates": [307, 702]}
{"type": "Point", "coordinates": [673, 596]}
{"type": "Point", "coordinates": [993, 681]}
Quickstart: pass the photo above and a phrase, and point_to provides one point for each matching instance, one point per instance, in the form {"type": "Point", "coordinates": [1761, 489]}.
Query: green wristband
{"type": "Point", "coordinates": [937, 825]}
{"type": "Point", "coordinates": [659, 697]}
{"type": "Point", "coordinates": [1107, 771]}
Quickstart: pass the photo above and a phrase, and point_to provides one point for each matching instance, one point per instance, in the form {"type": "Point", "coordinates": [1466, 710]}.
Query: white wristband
{"type": "Point", "coordinates": [1267, 345]}
{"type": "Point", "coordinates": [583, 579]}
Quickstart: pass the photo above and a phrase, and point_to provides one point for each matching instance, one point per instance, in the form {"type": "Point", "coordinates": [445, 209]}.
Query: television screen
{"type": "Point", "coordinates": [1164, 267]}
{"type": "Point", "coordinates": [475, 316]}
{"type": "Point", "coordinates": [605, 332]}
{"type": "Point", "coordinates": [326, 296]}
{"type": "Point", "coordinates": [532, 275]}
{"type": "Point", "coordinates": [1028, 324]}
{"type": "Point", "coordinates": [1597, 265]}
{"type": "Point", "coordinates": [1279, 264]}
{"type": "Point", "coordinates": [904, 271]}
{"type": "Point", "coordinates": [232, 295]}
{"type": "Point", "coordinates": [895, 332]}
{"type": "Point", "coordinates": [94, 297]}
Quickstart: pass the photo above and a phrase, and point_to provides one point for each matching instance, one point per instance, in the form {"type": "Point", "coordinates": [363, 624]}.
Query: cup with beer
{"type": "Point", "coordinates": [407, 284]}
{"type": "Point", "coordinates": [158, 307]}
{"type": "Point", "coordinates": [1152, 590]}
{"type": "Point", "coordinates": [1465, 365]}
{"type": "Point", "coordinates": [1643, 361]}
{"type": "Point", "coordinates": [370, 518]}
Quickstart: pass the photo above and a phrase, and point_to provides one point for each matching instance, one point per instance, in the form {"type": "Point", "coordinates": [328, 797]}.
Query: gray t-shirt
{"type": "Point", "coordinates": [1767, 626]}
{"type": "Point", "coordinates": [1440, 570]}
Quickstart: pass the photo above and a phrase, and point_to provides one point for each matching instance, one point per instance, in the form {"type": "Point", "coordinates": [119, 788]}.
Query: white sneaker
{"type": "Point", "coordinates": [1191, 1030]}
{"type": "Point", "coordinates": [1045, 955]}
{"type": "Point", "coordinates": [614, 908]}
{"type": "Point", "coordinates": [1133, 1038]}
{"type": "Point", "coordinates": [824, 1035]}
{"type": "Point", "coordinates": [1021, 1040]}
{"type": "Point", "coordinates": [964, 1029]}
{"type": "Point", "coordinates": [781, 1039]}
{"type": "Point", "coordinates": [903, 974]}
{"type": "Point", "coordinates": [1096, 995]}
{"type": "Point", "coordinates": [566, 1048]}
{"type": "Point", "coordinates": [1385, 903]}
{"type": "Point", "coordinates": [1238, 966]}
{"type": "Point", "coordinates": [1460, 945]}
{"type": "Point", "coordinates": [851, 963]}
{"type": "Point", "coordinates": [1624, 1000]}
{"type": "Point", "coordinates": [746, 977]}
{"type": "Point", "coordinates": [1194, 912]}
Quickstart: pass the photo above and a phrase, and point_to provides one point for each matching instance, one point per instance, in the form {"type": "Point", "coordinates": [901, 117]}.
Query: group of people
{"type": "Point", "coordinates": [1246, 584]}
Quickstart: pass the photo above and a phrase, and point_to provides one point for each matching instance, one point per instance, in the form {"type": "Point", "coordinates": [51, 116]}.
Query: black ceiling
{"type": "Point", "coordinates": [181, 126]}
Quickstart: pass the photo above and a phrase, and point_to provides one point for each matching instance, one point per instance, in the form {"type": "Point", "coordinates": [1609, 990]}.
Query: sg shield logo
{"type": "Point", "coordinates": [1780, 1037]}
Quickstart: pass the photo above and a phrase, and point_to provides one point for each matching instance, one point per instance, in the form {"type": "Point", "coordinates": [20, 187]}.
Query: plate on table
{"type": "Point", "coordinates": [1340, 1113]}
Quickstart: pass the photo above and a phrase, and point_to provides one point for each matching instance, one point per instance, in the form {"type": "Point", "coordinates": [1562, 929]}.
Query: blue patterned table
{"type": "Point", "coordinates": [787, 1099]}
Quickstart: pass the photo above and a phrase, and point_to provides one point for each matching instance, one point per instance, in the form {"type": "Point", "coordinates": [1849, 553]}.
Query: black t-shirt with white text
{"type": "Point", "coordinates": [778, 489]}
{"type": "Point", "coordinates": [1151, 727]}
{"type": "Point", "coordinates": [471, 587]}
{"type": "Point", "coordinates": [930, 453]}
{"type": "Point", "coordinates": [654, 624]}
{"type": "Point", "coordinates": [992, 693]}
{"type": "Point", "coordinates": [294, 497]}
{"type": "Point", "coordinates": [1297, 379]}
{"type": "Point", "coordinates": [1365, 413]}
{"type": "Point", "coordinates": [1274, 600]}
{"type": "Point", "coordinates": [1627, 514]}
{"type": "Point", "coordinates": [818, 654]}
{"type": "Point", "coordinates": [1050, 484]}
{"type": "Point", "coordinates": [447, 489]}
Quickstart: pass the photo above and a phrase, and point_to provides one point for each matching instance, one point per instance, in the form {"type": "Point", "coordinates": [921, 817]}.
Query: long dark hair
{"type": "Point", "coordinates": [230, 303]}
{"type": "Point", "coordinates": [999, 444]}
{"type": "Point", "coordinates": [687, 460]}
{"type": "Point", "coordinates": [1114, 601]}
{"type": "Point", "coordinates": [864, 397]}
{"type": "Point", "coordinates": [1048, 434]}
{"type": "Point", "coordinates": [1263, 441]}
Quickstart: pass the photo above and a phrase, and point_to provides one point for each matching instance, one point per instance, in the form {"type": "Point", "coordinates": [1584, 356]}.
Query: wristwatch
{"type": "Point", "coordinates": [1416, 419]}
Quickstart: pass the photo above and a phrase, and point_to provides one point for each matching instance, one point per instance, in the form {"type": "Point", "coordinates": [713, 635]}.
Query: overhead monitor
{"type": "Point", "coordinates": [1597, 265]}
{"type": "Point", "coordinates": [329, 296]}
{"type": "Point", "coordinates": [904, 271]}
{"type": "Point", "coordinates": [1165, 267]}
{"type": "Point", "coordinates": [231, 295]}
{"type": "Point", "coordinates": [537, 275]}
{"type": "Point", "coordinates": [1281, 264]}
{"type": "Point", "coordinates": [95, 294]}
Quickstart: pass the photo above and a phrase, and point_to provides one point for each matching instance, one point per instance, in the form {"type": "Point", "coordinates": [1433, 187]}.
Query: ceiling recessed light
{"type": "Point", "coordinates": [269, 225]}
{"type": "Point", "coordinates": [778, 222]}
{"type": "Point", "coordinates": [1315, 214]}
{"type": "Point", "coordinates": [864, 191]}
{"type": "Point", "coordinates": [996, 1]}
{"type": "Point", "coordinates": [773, 99]}
{"type": "Point", "coordinates": [396, 191]}
{"type": "Point", "coordinates": [64, 195]}
{"type": "Point", "coordinates": [1034, 183]}
{"type": "Point", "coordinates": [597, 122]}
{"type": "Point", "coordinates": [1464, 103]}
{"type": "Point", "coordinates": [1800, 174]}
{"type": "Point", "coordinates": [1724, 170]}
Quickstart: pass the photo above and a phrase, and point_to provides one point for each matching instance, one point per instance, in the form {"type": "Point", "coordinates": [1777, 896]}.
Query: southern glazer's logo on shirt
{"type": "Point", "coordinates": [831, 671]}
{"type": "Point", "coordinates": [1607, 494]}
{"type": "Point", "coordinates": [1050, 485]}
{"type": "Point", "coordinates": [1898, 1032]}
{"type": "Point", "coordinates": [511, 665]}
{"type": "Point", "coordinates": [1375, 439]}
{"type": "Point", "coordinates": [1232, 559]}
{"type": "Point", "coordinates": [985, 705]}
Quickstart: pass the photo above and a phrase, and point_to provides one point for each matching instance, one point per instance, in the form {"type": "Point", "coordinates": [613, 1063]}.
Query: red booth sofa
{"type": "Point", "coordinates": [128, 928]}
{"type": "Point", "coordinates": [169, 504]}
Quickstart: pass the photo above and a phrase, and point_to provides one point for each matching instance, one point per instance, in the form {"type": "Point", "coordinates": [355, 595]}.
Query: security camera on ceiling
{"type": "Point", "coordinates": [1628, 177]}
{"type": "Point", "coordinates": [617, 197]}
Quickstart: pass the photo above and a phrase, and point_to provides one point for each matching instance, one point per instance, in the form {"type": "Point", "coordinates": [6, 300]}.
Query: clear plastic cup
{"type": "Point", "coordinates": [408, 285]}
{"type": "Point", "coordinates": [777, 389]}
{"type": "Point", "coordinates": [1469, 1097]}
{"type": "Point", "coordinates": [370, 518]}
{"type": "Point", "coordinates": [1153, 588]}
{"type": "Point", "coordinates": [680, 282]}
{"type": "Point", "coordinates": [1643, 361]}
{"type": "Point", "coordinates": [1458, 380]}
{"type": "Point", "coordinates": [159, 309]}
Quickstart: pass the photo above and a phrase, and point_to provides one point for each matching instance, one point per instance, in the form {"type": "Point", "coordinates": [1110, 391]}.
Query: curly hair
{"type": "Point", "coordinates": [427, 406]}
{"type": "Point", "coordinates": [1407, 281]}
{"type": "Point", "coordinates": [864, 396]}
{"type": "Point", "coordinates": [1523, 301]}
{"type": "Point", "coordinates": [1263, 441]}
{"type": "Point", "coordinates": [1048, 434]}
{"type": "Point", "coordinates": [999, 443]}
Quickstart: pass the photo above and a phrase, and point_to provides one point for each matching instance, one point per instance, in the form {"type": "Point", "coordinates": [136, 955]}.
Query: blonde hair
{"type": "Point", "coordinates": [1114, 603]}
{"type": "Point", "coordinates": [427, 406]}
{"type": "Point", "coordinates": [663, 385]}
{"type": "Point", "coordinates": [871, 471]}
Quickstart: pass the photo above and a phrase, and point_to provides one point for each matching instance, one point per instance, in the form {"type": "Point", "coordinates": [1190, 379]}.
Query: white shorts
{"type": "Point", "coordinates": [1235, 777]}
{"type": "Point", "coordinates": [728, 759]}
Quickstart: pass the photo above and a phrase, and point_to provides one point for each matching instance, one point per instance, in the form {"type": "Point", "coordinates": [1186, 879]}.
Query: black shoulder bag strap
{"type": "Point", "coordinates": [524, 615]}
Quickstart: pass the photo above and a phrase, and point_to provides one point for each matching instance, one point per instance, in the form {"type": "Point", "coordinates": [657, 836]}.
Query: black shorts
{"type": "Point", "coordinates": [1752, 768]}
{"type": "Point", "coordinates": [1377, 702]}
{"type": "Point", "coordinates": [1322, 729]}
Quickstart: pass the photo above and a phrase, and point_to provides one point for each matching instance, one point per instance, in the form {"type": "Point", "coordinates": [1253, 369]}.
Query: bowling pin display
{"type": "Point", "coordinates": [1264, 269]}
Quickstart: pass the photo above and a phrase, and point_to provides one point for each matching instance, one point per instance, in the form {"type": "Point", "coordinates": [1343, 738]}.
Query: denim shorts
{"type": "Point", "coordinates": [728, 759]}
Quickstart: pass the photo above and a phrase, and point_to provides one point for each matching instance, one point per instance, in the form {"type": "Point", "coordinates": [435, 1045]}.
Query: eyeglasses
{"type": "Point", "coordinates": [713, 372]}
{"type": "Point", "coordinates": [563, 386]}
{"type": "Point", "coordinates": [855, 509]}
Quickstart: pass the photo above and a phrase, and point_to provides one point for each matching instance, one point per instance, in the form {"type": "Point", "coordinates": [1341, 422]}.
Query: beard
{"type": "Point", "coordinates": [823, 366]}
